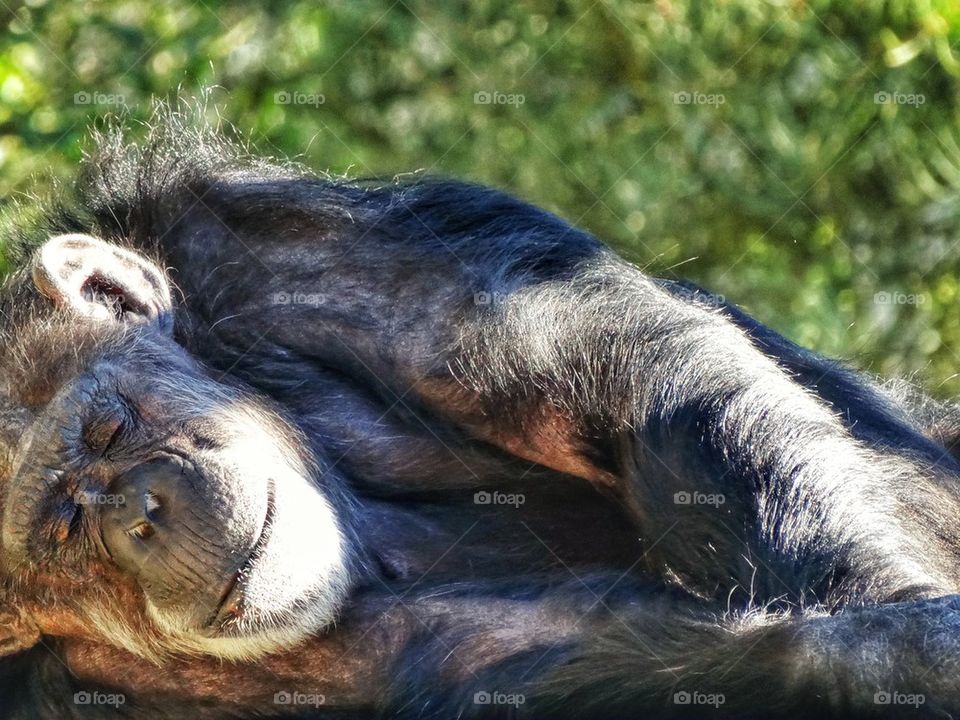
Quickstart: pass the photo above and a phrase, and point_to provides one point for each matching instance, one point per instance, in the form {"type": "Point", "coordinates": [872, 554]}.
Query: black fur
{"type": "Point", "coordinates": [448, 332]}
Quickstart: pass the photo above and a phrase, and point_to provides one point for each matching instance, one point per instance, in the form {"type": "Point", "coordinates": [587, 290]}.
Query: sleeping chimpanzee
{"type": "Point", "coordinates": [276, 445]}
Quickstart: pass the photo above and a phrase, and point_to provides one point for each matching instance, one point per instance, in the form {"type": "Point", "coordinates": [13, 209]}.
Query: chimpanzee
{"type": "Point", "coordinates": [274, 444]}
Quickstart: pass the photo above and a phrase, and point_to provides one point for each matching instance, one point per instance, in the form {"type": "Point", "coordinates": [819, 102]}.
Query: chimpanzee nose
{"type": "Point", "coordinates": [147, 500]}
{"type": "Point", "coordinates": [181, 534]}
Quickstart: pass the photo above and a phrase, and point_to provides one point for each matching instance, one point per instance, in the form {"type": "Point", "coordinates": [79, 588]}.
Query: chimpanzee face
{"type": "Point", "coordinates": [128, 466]}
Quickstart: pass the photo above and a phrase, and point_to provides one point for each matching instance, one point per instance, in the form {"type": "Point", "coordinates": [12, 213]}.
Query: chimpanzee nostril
{"type": "Point", "coordinates": [151, 504]}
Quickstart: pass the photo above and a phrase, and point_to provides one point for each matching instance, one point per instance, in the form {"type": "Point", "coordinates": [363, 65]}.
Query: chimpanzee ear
{"type": "Point", "coordinates": [103, 281]}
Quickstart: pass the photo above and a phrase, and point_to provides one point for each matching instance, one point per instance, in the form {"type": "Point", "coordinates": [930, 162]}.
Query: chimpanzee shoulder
{"type": "Point", "coordinates": [138, 184]}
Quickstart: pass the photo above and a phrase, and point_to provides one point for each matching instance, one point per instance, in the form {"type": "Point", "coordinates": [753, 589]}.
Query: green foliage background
{"type": "Point", "coordinates": [783, 185]}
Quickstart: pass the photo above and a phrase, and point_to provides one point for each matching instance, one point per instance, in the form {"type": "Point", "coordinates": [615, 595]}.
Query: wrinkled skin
{"type": "Point", "coordinates": [272, 445]}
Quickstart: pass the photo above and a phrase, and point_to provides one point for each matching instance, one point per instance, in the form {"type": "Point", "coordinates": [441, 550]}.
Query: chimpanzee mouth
{"type": "Point", "coordinates": [229, 612]}
{"type": "Point", "coordinates": [288, 580]}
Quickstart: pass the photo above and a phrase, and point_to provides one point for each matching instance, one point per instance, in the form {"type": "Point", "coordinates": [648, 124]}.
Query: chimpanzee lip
{"type": "Point", "coordinates": [229, 610]}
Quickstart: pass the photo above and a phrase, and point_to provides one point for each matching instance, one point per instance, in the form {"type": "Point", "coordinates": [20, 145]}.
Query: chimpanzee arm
{"type": "Point", "coordinates": [602, 374]}
{"type": "Point", "coordinates": [574, 651]}
{"type": "Point", "coordinates": [651, 659]}
{"type": "Point", "coordinates": [530, 335]}
{"type": "Point", "coordinates": [895, 414]}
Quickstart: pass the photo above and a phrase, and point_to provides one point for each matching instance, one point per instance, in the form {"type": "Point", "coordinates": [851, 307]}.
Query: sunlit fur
{"type": "Point", "coordinates": [819, 582]}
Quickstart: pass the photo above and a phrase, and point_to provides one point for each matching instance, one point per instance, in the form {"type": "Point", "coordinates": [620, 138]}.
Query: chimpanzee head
{"type": "Point", "coordinates": [143, 499]}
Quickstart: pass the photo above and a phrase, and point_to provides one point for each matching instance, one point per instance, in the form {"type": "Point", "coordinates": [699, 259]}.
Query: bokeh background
{"type": "Point", "coordinates": [800, 158]}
